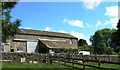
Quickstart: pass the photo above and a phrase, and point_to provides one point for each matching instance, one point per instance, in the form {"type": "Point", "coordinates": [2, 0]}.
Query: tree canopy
{"type": "Point", "coordinates": [116, 38]}
{"type": "Point", "coordinates": [8, 5]}
{"type": "Point", "coordinates": [9, 28]}
{"type": "Point", "coordinates": [82, 42]}
{"type": "Point", "coordinates": [106, 41]}
{"type": "Point", "coordinates": [101, 40]}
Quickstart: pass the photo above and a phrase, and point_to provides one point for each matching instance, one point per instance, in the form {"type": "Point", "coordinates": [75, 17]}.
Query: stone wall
{"type": "Point", "coordinates": [16, 57]}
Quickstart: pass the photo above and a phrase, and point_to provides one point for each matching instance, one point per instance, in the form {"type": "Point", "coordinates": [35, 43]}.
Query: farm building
{"type": "Point", "coordinates": [36, 41]}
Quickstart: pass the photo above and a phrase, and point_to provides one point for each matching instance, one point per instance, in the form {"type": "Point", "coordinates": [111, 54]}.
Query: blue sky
{"type": "Point", "coordinates": [80, 19]}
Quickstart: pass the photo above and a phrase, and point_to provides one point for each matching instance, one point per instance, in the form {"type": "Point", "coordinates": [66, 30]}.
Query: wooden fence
{"type": "Point", "coordinates": [65, 58]}
{"type": "Point", "coordinates": [82, 60]}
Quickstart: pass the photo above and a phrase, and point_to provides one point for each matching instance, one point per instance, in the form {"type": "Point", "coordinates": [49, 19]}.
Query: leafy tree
{"type": "Point", "coordinates": [8, 5]}
{"type": "Point", "coordinates": [107, 33]}
{"type": "Point", "coordinates": [97, 42]}
{"type": "Point", "coordinates": [118, 34]}
{"type": "Point", "coordinates": [82, 42]}
{"type": "Point", "coordinates": [116, 38]}
{"type": "Point", "coordinates": [101, 40]}
{"type": "Point", "coordinates": [109, 50]}
{"type": "Point", "coordinates": [9, 28]}
{"type": "Point", "coordinates": [118, 24]}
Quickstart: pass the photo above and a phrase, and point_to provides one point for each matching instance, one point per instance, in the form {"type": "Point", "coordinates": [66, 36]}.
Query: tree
{"type": "Point", "coordinates": [8, 5]}
{"type": "Point", "coordinates": [101, 40]}
{"type": "Point", "coordinates": [107, 34]}
{"type": "Point", "coordinates": [9, 28]}
{"type": "Point", "coordinates": [118, 24]}
{"type": "Point", "coordinates": [116, 38]}
{"type": "Point", "coordinates": [118, 34]}
{"type": "Point", "coordinates": [97, 42]}
{"type": "Point", "coordinates": [82, 42]}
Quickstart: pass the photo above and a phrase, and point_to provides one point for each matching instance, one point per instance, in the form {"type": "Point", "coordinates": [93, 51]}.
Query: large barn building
{"type": "Point", "coordinates": [36, 41]}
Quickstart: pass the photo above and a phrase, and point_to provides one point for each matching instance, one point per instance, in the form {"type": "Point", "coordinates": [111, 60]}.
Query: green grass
{"type": "Point", "coordinates": [111, 66]}
{"type": "Point", "coordinates": [115, 66]}
{"type": "Point", "coordinates": [31, 66]}
{"type": "Point", "coordinates": [53, 66]}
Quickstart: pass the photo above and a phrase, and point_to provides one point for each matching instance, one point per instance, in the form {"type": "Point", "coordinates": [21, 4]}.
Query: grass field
{"type": "Point", "coordinates": [53, 66]}
{"type": "Point", "coordinates": [110, 66]}
{"type": "Point", "coordinates": [31, 66]}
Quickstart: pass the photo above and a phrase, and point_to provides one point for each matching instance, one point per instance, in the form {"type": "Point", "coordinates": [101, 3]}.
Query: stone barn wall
{"type": "Point", "coordinates": [23, 42]}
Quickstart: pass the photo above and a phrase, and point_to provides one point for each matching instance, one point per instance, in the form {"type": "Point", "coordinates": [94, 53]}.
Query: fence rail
{"type": "Point", "coordinates": [73, 59]}
{"type": "Point", "coordinates": [65, 58]}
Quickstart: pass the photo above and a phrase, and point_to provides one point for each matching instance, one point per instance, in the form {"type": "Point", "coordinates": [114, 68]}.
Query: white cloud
{"type": "Point", "coordinates": [25, 27]}
{"type": "Point", "coordinates": [106, 23]}
{"type": "Point", "coordinates": [98, 24]}
{"type": "Point", "coordinates": [88, 25]}
{"type": "Point", "coordinates": [91, 4]}
{"type": "Point", "coordinates": [48, 29]}
{"type": "Point", "coordinates": [74, 33]}
{"type": "Point", "coordinates": [62, 31]}
{"type": "Point", "coordinates": [113, 22]}
{"type": "Point", "coordinates": [80, 36]}
{"type": "Point", "coordinates": [77, 23]}
{"type": "Point", "coordinates": [112, 11]}
{"type": "Point", "coordinates": [88, 41]}
{"type": "Point", "coordinates": [77, 34]}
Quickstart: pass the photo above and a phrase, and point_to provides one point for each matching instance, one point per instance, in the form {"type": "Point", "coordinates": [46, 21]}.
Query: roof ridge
{"type": "Point", "coordinates": [49, 33]}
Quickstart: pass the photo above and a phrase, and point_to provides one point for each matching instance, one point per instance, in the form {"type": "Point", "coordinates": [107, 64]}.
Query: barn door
{"type": "Point", "coordinates": [31, 46]}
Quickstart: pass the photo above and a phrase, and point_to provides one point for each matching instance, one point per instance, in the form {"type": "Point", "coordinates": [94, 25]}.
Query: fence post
{"type": "Point", "coordinates": [109, 57]}
{"type": "Point", "coordinates": [64, 60]}
{"type": "Point", "coordinates": [73, 62]}
{"type": "Point", "coordinates": [99, 63]}
{"type": "Point", "coordinates": [119, 57]}
{"type": "Point", "coordinates": [83, 60]}
{"type": "Point", "coordinates": [50, 60]}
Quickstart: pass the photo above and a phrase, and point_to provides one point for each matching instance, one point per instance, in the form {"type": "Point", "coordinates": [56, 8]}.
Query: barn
{"type": "Point", "coordinates": [36, 41]}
